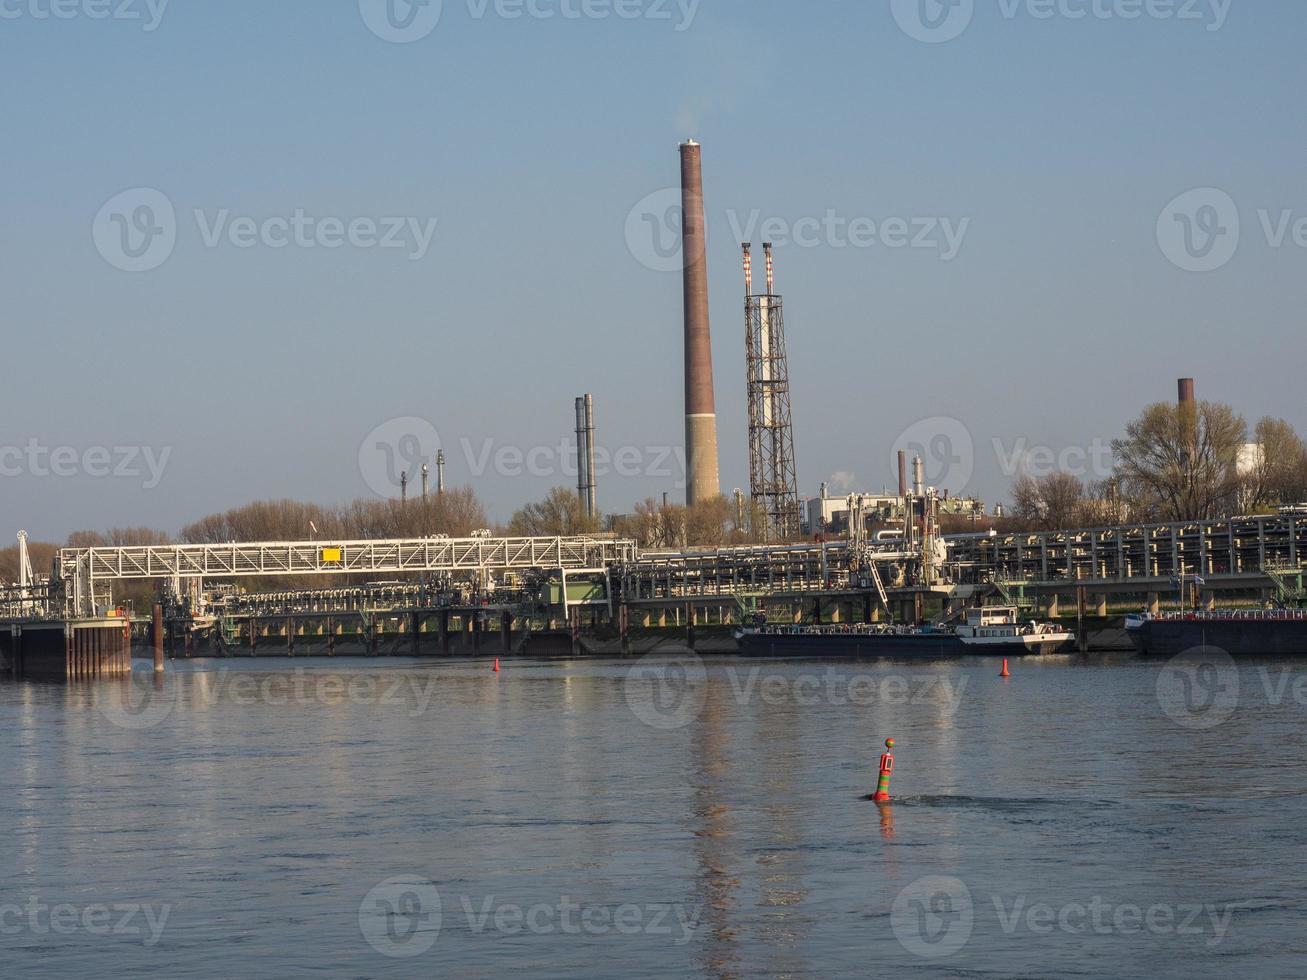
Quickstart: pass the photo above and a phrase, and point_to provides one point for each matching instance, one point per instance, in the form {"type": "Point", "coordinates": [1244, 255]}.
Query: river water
{"type": "Point", "coordinates": [665, 817]}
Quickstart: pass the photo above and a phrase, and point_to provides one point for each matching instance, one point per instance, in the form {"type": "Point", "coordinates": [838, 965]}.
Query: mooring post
{"type": "Point", "coordinates": [506, 628]}
{"type": "Point", "coordinates": [624, 627]}
{"type": "Point", "coordinates": [415, 624]}
{"type": "Point", "coordinates": [444, 631]}
{"type": "Point", "coordinates": [1082, 607]}
{"type": "Point", "coordinates": [691, 621]}
{"type": "Point", "coordinates": [576, 631]}
{"type": "Point", "coordinates": [158, 638]}
{"type": "Point", "coordinates": [290, 636]}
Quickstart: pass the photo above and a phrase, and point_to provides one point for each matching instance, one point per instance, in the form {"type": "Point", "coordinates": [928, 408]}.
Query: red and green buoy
{"type": "Point", "coordinates": [886, 767]}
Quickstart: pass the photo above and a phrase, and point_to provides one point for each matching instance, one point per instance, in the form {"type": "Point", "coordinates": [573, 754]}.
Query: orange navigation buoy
{"type": "Point", "coordinates": [1006, 672]}
{"type": "Point", "coordinates": [886, 767]}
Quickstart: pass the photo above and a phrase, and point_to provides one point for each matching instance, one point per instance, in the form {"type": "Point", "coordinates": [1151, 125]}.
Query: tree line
{"type": "Point", "coordinates": [1190, 462]}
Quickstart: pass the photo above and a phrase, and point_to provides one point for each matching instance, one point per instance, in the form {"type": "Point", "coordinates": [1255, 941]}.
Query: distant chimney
{"type": "Point", "coordinates": [702, 480]}
{"type": "Point", "coordinates": [903, 472]}
{"type": "Point", "coordinates": [1187, 391]}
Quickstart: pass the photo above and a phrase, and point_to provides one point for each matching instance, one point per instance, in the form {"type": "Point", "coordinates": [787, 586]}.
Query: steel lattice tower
{"type": "Point", "coordinates": [773, 479]}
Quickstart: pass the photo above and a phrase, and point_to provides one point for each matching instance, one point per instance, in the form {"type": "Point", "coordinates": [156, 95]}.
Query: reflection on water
{"type": "Point", "coordinates": [267, 805]}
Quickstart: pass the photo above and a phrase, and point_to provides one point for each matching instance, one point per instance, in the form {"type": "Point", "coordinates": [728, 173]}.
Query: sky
{"type": "Point", "coordinates": [258, 250]}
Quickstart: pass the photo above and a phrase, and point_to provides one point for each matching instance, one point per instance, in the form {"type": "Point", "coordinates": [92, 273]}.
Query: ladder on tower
{"type": "Point", "coordinates": [880, 586]}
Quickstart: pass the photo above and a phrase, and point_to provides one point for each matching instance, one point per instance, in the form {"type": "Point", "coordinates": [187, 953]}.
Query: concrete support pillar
{"type": "Point", "coordinates": [576, 631]}
{"type": "Point", "coordinates": [836, 613]}
{"type": "Point", "coordinates": [444, 631]}
{"type": "Point", "coordinates": [1053, 606]}
{"type": "Point", "coordinates": [506, 631]}
{"type": "Point", "coordinates": [1154, 603]}
{"type": "Point", "coordinates": [691, 621]}
{"type": "Point", "coordinates": [1101, 608]}
{"type": "Point", "coordinates": [624, 628]}
{"type": "Point", "coordinates": [157, 637]}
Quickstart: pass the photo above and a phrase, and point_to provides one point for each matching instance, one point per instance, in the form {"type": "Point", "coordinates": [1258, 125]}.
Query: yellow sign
{"type": "Point", "coordinates": [333, 556]}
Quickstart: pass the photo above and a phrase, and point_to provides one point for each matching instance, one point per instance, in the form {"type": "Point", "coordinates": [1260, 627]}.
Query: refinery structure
{"type": "Point", "coordinates": [861, 557]}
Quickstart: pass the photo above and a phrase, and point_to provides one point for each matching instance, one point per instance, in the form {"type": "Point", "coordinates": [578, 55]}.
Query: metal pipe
{"type": "Point", "coordinates": [748, 269]}
{"type": "Point", "coordinates": [440, 473]}
{"type": "Point", "coordinates": [918, 477]}
{"type": "Point", "coordinates": [771, 269]}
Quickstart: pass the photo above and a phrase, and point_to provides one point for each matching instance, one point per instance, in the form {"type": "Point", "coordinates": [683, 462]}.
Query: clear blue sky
{"type": "Point", "coordinates": [1060, 141]}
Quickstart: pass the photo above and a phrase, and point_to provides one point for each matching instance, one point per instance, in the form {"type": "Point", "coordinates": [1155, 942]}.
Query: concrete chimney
{"type": "Point", "coordinates": [1187, 391]}
{"type": "Point", "coordinates": [903, 472]}
{"type": "Point", "coordinates": [702, 480]}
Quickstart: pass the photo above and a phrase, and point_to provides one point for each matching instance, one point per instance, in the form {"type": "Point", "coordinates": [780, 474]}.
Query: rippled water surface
{"type": "Point", "coordinates": [581, 819]}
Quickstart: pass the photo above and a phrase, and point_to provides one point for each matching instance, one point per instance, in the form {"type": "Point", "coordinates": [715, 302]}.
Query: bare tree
{"type": "Point", "coordinates": [1054, 502]}
{"type": "Point", "coordinates": [560, 514]}
{"type": "Point", "coordinates": [1179, 463]}
{"type": "Point", "coordinates": [1277, 472]}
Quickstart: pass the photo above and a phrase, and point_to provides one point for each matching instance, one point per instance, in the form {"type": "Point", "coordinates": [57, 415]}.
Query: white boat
{"type": "Point", "coordinates": [1001, 629]}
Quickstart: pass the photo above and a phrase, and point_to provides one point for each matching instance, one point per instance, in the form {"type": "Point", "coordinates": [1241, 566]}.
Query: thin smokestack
{"type": "Point", "coordinates": [440, 473]}
{"type": "Point", "coordinates": [582, 455]}
{"type": "Point", "coordinates": [903, 472]}
{"type": "Point", "coordinates": [1187, 396]}
{"type": "Point", "coordinates": [702, 480]}
{"type": "Point", "coordinates": [592, 499]}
